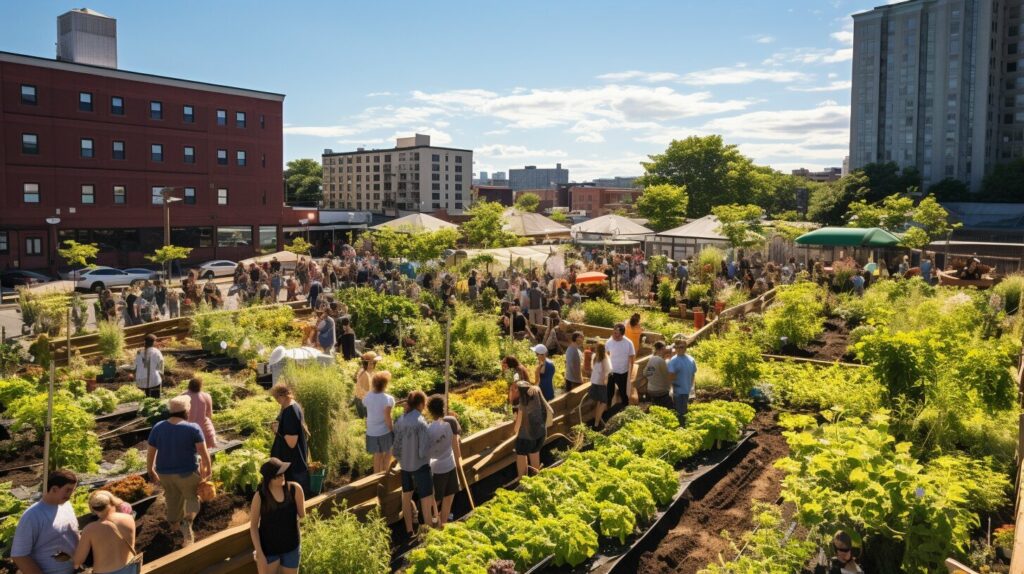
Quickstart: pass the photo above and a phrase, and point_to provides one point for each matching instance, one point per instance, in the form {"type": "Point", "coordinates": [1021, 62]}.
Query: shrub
{"type": "Point", "coordinates": [131, 461]}
{"type": "Point", "coordinates": [796, 317]}
{"type": "Point", "coordinates": [239, 470]}
{"type": "Point", "coordinates": [341, 544]}
{"type": "Point", "coordinates": [73, 444]}
{"type": "Point", "coordinates": [100, 401]}
{"type": "Point", "coordinates": [735, 357]}
{"type": "Point", "coordinates": [15, 388]}
{"type": "Point", "coordinates": [110, 340]}
{"type": "Point", "coordinates": [250, 416]}
{"type": "Point", "coordinates": [324, 397]}
{"type": "Point", "coordinates": [1010, 290]}
{"type": "Point", "coordinates": [373, 313]}
{"type": "Point", "coordinates": [601, 313]}
{"type": "Point", "coordinates": [11, 357]}
{"type": "Point", "coordinates": [248, 332]}
{"type": "Point", "coordinates": [709, 261]}
{"type": "Point", "coordinates": [129, 394]}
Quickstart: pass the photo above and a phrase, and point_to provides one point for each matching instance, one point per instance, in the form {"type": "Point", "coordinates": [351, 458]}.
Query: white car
{"type": "Point", "coordinates": [100, 278]}
{"type": "Point", "coordinates": [74, 273]}
{"type": "Point", "coordinates": [217, 268]}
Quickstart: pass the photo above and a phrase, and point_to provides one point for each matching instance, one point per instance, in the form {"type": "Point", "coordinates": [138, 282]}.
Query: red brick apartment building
{"type": "Point", "coordinates": [94, 146]}
{"type": "Point", "coordinates": [598, 201]}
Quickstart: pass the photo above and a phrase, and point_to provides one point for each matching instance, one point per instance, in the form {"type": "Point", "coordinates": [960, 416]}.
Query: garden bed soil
{"type": "Point", "coordinates": [831, 345]}
{"type": "Point", "coordinates": [696, 540]}
{"type": "Point", "coordinates": [156, 537]}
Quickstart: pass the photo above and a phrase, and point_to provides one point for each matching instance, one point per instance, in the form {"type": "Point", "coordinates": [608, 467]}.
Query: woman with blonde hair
{"type": "Point", "coordinates": [598, 392]}
{"type": "Point", "coordinates": [111, 538]}
{"type": "Point", "coordinates": [364, 378]}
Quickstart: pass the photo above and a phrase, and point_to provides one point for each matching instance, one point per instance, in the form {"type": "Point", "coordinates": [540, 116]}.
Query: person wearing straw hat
{"type": "Point", "coordinates": [364, 380]}
{"type": "Point", "coordinates": [274, 518]}
{"type": "Point", "coordinates": [171, 462]}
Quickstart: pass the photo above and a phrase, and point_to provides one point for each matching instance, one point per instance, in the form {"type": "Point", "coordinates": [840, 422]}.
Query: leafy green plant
{"type": "Point", "coordinates": [373, 314]}
{"type": "Point", "coordinates": [602, 313]}
{"type": "Point", "coordinates": [804, 387]}
{"type": "Point", "coordinates": [250, 416]}
{"type": "Point", "coordinates": [1010, 290]}
{"type": "Point", "coordinates": [796, 317]}
{"type": "Point", "coordinates": [15, 388]}
{"type": "Point", "coordinates": [110, 340]}
{"type": "Point", "coordinates": [129, 394]}
{"type": "Point", "coordinates": [248, 333]}
{"type": "Point", "coordinates": [131, 461]}
{"type": "Point", "coordinates": [73, 444]}
{"type": "Point", "coordinates": [341, 544]}
{"type": "Point", "coordinates": [324, 394]}
{"type": "Point", "coordinates": [735, 357]}
{"type": "Point", "coordinates": [100, 401]}
{"type": "Point", "coordinates": [239, 470]}
{"type": "Point", "coordinates": [11, 357]}
{"type": "Point", "coordinates": [767, 549]}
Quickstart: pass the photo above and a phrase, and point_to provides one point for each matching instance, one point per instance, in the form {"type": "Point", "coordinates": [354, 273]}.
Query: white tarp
{"type": "Point", "coordinates": [613, 225]}
{"type": "Point", "coordinates": [281, 356]}
{"type": "Point", "coordinates": [703, 228]}
{"type": "Point", "coordinates": [286, 258]}
{"type": "Point", "coordinates": [528, 224]}
{"type": "Point", "coordinates": [530, 255]}
{"type": "Point", "coordinates": [417, 222]}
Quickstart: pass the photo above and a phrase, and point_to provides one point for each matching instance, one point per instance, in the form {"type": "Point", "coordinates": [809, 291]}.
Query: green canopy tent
{"type": "Point", "coordinates": [849, 237]}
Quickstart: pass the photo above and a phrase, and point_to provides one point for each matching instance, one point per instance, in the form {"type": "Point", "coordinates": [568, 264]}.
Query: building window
{"type": "Point", "coordinates": [435, 157]}
{"type": "Point", "coordinates": [30, 144]}
{"type": "Point", "coordinates": [458, 187]}
{"type": "Point", "coordinates": [33, 246]}
{"type": "Point", "coordinates": [240, 158]}
{"type": "Point", "coordinates": [4, 244]}
{"type": "Point", "coordinates": [268, 238]}
{"type": "Point", "coordinates": [85, 101]}
{"type": "Point", "coordinates": [28, 94]}
{"type": "Point", "coordinates": [156, 110]}
{"type": "Point", "coordinates": [30, 193]}
{"type": "Point", "coordinates": [222, 117]}
{"type": "Point", "coordinates": [88, 195]}
{"type": "Point", "coordinates": [120, 195]}
{"type": "Point", "coordinates": [116, 105]}
{"type": "Point", "coordinates": [239, 119]}
{"type": "Point", "coordinates": [156, 152]}
{"type": "Point", "coordinates": [222, 196]}
{"type": "Point", "coordinates": [85, 148]}
{"type": "Point", "coordinates": [156, 196]}
{"type": "Point", "coordinates": [222, 157]}
{"type": "Point", "coordinates": [458, 159]}
{"type": "Point", "coordinates": [190, 196]}
{"type": "Point", "coordinates": [188, 114]}
{"type": "Point", "coordinates": [118, 150]}
{"type": "Point", "coordinates": [190, 154]}
{"type": "Point", "coordinates": [263, 122]}
{"type": "Point", "coordinates": [435, 186]}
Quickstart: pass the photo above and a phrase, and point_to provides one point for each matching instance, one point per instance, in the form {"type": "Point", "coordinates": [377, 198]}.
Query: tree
{"type": "Point", "coordinates": [78, 254]}
{"type": "Point", "coordinates": [829, 204]}
{"type": "Point", "coordinates": [429, 245]}
{"type": "Point", "coordinates": [933, 218]}
{"type": "Point", "coordinates": [298, 246]}
{"type": "Point", "coordinates": [1005, 183]}
{"type": "Point", "coordinates": [740, 224]}
{"type": "Point", "coordinates": [559, 217]}
{"type": "Point", "coordinates": [389, 243]}
{"type": "Point", "coordinates": [951, 189]}
{"type": "Point", "coordinates": [886, 179]}
{"type": "Point", "coordinates": [484, 226]}
{"type": "Point", "coordinates": [892, 213]}
{"type": "Point", "coordinates": [663, 205]}
{"type": "Point", "coordinates": [712, 172]}
{"type": "Point", "coordinates": [168, 253]}
{"type": "Point", "coordinates": [303, 180]}
{"type": "Point", "coordinates": [529, 202]}
{"type": "Point", "coordinates": [920, 224]}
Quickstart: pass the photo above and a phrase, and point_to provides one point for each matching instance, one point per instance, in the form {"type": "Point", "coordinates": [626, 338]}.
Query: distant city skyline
{"type": "Point", "coordinates": [597, 87]}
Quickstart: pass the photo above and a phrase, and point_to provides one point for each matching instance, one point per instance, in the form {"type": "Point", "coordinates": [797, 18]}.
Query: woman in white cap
{"type": "Point", "coordinates": [545, 373]}
{"type": "Point", "coordinates": [274, 520]}
{"type": "Point", "coordinates": [171, 462]}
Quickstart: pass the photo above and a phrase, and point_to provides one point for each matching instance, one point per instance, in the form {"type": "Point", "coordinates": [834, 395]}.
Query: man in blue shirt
{"type": "Point", "coordinates": [683, 368]}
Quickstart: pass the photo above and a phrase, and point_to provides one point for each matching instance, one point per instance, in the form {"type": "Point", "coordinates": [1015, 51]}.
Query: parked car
{"type": "Point", "coordinates": [144, 273]}
{"type": "Point", "coordinates": [100, 278]}
{"type": "Point", "coordinates": [74, 273]}
{"type": "Point", "coordinates": [217, 268]}
{"type": "Point", "coordinates": [15, 277]}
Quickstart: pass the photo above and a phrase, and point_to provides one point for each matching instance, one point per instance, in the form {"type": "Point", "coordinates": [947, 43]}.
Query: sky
{"type": "Point", "coordinates": [594, 85]}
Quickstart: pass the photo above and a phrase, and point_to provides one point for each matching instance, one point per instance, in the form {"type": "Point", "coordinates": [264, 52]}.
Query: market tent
{"type": "Point", "coordinates": [615, 225]}
{"type": "Point", "coordinates": [503, 257]}
{"type": "Point", "coordinates": [415, 222]}
{"type": "Point", "coordinates": [529, 224]}
{"type": "Point", "coordinates": [849, 237]}
{"type": "Point", "coordinates": [703, 228]}
{"type": "Point", "coordinates": [282, 256]}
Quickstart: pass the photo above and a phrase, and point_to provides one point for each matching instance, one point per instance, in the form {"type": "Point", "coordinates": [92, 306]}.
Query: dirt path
{"type": "Point", "coordinates": [697, 540]}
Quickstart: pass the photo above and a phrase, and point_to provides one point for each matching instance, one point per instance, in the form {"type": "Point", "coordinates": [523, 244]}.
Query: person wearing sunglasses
{"type": "Point", "coordinates": [843, 561]}
{"type": "Point", "coordinates": [47, 533]}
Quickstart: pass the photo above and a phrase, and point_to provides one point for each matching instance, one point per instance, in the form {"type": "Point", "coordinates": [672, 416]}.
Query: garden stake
{"type": "Point", "coordinates": [447, 357]}
{"type": "Point", "coordinates": [49, 426]}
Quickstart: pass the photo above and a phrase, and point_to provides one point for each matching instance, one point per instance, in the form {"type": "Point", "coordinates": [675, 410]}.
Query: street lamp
{"type": "Point", "coordinates": [167, 200]}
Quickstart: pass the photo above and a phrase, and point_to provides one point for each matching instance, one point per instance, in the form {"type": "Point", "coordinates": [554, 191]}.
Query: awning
{"type": "Point", "coordinates": [849, 237]}
{"type": "Point", "coordinates": [303, 229]}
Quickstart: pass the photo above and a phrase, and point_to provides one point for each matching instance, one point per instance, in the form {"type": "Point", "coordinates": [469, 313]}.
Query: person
{"type": "Point", "coordinates": [622, 354]}
{"type": "Point", "coordinates": [843, 562]}
{"type": "Point", "coordinates": [364, 377]}
{"type": "Point", "coordinates": [520, 325]}
{"type": "Point", "coordinates": [160, 296]}
{"type": "Point", "coordinates": [535, 303]}
{"type": "Point", "coordinates": [274, 520]}
{"type": "Point", "coordinates": [325, 335]}
{"type": "Point", "coordinates": [926, 269]}
{"type": "Point", "coordinates": [634, 331]}
{"type": "Point", "coordinates": [904, 266]}
{"type": "Point", "coordinates": [313, 297]}
{"type": "Point", "coordinates": [131, 307]}
{"type": "Point", "coordinates": [47, 533]}
{"type": "Point", "coordinates": [173, 308]}
{"type": "Point", "coordinates": [290, 434]}
{"type": "Point", "coordinates": [530, 428]}
{"type": "Point", "coordinates": [551, 333]}
{"type": "Point", "coordinates": [683, 272]}
{"type": "Point", "coordinates": [200, 410]}
{"type": "Point", "coordinates": [380, 435]}
{"type": "Point", "coordinates": [600, 368]}
{"type": "Point", "coordinates": [412, 443]}
{"type": "Point", "coordinates": [110, 539]}
{"type": "Point", "coordinates": [472, 283]}
{"type": "Point", "coordinates": [347, 340]}
{"type": "Point", "coordinates": [149, 367]}
{"type": "Point", "coordinates": [574, 362]}
{"type": "Point", "coordinates": [858, 283]}
{"type": "Point", "coordinates": [683, 368]}
{"type": "Point", "coordinates": [656, 372]}
{"type": "Point", "coordinates": [171, 462]}
{"type": "Point", "coordinates": [515, 372]}
{"type": "Point", "coordinates": [545, 373]}
{"type": "Point", "coordinates": [445, 455]}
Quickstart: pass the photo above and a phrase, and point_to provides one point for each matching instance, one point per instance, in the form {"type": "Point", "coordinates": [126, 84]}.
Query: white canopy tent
{"type": "Point", "coordinates": [528, 224]}
{"type": "Point", "coordinates": [504, 257]}
{"type": "Point", "coordinates": [688, 239]}
{"type": "Point", "coordinates": [415, 222]}
{"type": "Point", "coordinates": [615, 226]}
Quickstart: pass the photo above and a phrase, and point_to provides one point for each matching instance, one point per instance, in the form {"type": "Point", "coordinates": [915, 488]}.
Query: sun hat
{"type": "Point", "coordinates": [273, 467]}
{"type": "Point", "coordinates": [540, 349]}
{"type": "Point", "coordinates": [179, 404]}
{"type": "Point", "coordinates": [370, 356]}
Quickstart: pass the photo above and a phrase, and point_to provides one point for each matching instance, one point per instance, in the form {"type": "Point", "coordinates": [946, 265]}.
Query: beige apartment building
{"type": "Point", "coordinates": [414, 176]}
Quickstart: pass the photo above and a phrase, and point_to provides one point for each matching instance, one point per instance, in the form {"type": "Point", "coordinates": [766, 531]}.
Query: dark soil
{"type": "Point", "coordinates": [157, 537]}
{"type": "Point", "coordinates": [831, 345]}
{"type": "Point", "coordinates": [697, 539]}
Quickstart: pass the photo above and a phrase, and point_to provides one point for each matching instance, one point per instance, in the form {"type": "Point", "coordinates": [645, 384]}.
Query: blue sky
{"type": "Point", "coordinates": [594, 85]}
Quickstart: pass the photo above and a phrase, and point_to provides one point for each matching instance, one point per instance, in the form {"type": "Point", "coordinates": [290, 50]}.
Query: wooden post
{"type": "Point", "coordinates": [48, 429]}
{"type": "Point", "coordinates": [447, 358]}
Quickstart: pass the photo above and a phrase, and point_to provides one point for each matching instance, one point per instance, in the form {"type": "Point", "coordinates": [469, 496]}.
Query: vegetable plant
{"type": "Point", "coordinates": [341, 544]}
{"type": "Point", "coordinates": [73, 444]}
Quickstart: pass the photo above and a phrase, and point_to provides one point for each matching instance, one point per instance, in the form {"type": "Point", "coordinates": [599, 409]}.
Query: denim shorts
{"type": "Point", "coordinates": [382, 443]}
{"type": "Point", "coordinates": [289, 559]}
{"type": "Point", "coordinates": [420, 481]}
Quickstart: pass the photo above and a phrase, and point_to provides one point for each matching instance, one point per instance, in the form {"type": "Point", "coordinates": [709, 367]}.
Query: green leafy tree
{"type": "Point", "coordinates": [829, 204]}
{"type": "Point", "coordinates": [740, 224]}
{"type": "Point", "coordinates": [886, 179]}
{"type": "Point", "coordinates": [529, 202]}
{"type": "Point", "coordinates": [78, 254]}
{"type": "Point", "coordinates": [663, 205]}
{"type": "Point", "coordinates": [390, 243]}
{"type": "Point", "coordinates": [484, 227]}
{"type": "Point", "coordinates": [933, 218]}
{"type": "Point", "coordinates": [951, 189]}
{"type": "Point", "coordinates": [1005, 183]}
{"type": "Point", "coordinates": [298, 246]}
{"type": "Point", "coordinates": [303, 180]}
{"type": "Point", "coordinates": [430, 245]}
{"type": "Point", "coordinates": [168, 253]}
{"type": "Point", "coordinates": [559, 217]}
{"type": "Point", "coordinates": [892, 213]}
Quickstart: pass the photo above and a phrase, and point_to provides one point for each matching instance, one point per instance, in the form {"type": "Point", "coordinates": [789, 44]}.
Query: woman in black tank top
{"type": "Point", "coordinates": [274, 520]}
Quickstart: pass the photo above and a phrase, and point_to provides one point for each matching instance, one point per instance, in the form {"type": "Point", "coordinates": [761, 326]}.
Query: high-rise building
{"type": "Point", "coordinates": [411, 177]}
{"type": "Point", "coordinates": [532, 178]}
{"type": "Point", "coordinates": [938, 85]}
{"type": "Point", "coordinates": [616, 182]}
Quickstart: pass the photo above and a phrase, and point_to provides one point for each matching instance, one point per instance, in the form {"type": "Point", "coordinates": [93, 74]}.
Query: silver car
{"type": "Point", "coordinates": [100, 278]}
{"type": "Point", "coordinates": [217, 268]}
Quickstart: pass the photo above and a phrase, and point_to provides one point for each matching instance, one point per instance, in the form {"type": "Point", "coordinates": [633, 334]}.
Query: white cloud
{"type": "Point", "coordinates": [649, 77]}
{"type": "Point", "coordinates": [825, 125]}
{"type": "Point", "coordinates": [380, 94]}
{"type": "Point", "coordinates": [833, 86]}
{"type": "Point", "coordinates": [375, 118]}
{"type": "Point", "coordinates": [740, 75]}
{"type": "Point", "coordinates": [504, 151]}
{"type": "Point", "coordinates": [844, 37]}
{"type": "Point", "coordinates": [810, 56]}
{"type": "Point", "coordinates": [764, 39]}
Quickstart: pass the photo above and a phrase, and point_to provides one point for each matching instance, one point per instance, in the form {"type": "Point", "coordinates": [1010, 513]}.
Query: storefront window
{"type": "Point", "coordinates": [268, 238]}
{"type": "Point", "coordinates": [234, 236]}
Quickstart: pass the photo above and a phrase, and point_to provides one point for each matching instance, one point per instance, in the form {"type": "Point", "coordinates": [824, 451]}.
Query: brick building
{"type": "Point", "coordinates": [598, 201]}
{"type": "Point", "coordinates": [495, 193]}
{"type": "Point", "coordinates": [94, 146]}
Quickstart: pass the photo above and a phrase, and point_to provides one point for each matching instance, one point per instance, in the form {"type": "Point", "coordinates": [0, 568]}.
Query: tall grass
{"type": "Point", "coordinates": [1010, 290]}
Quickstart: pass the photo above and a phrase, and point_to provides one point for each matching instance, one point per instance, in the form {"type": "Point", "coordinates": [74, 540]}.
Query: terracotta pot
{"type": "Point", "coordinates": [698, 318]}
{"type": "Point", "coordinates": [719, 306]}
{"type": "Point", "coordinates": [91, 384]}
{"type": "Point", "coordinates": [682, 311]}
